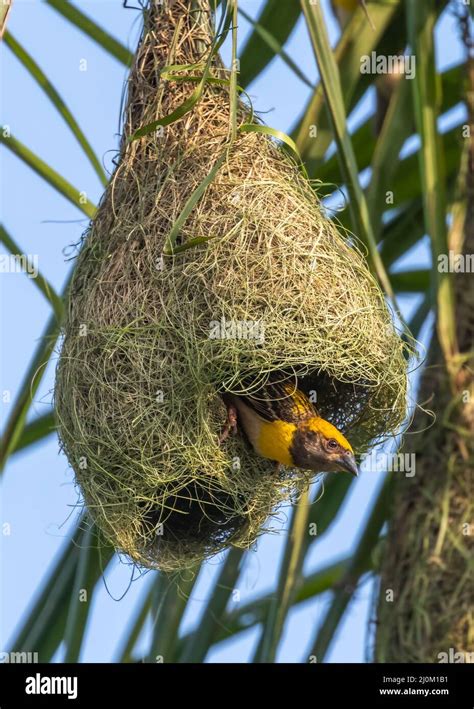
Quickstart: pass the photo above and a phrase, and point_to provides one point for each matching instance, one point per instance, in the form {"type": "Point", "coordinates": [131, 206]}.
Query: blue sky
{"type": "Point", "coordinates": [38, 493]}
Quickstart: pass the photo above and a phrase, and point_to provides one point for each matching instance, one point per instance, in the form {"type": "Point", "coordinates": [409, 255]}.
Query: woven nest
{"type": "Point", "coordinates": [140, 372]}
{"type": "Point", "coordinates": [427, 561]}
{"type": "Point", "coordinates": [429, 550]}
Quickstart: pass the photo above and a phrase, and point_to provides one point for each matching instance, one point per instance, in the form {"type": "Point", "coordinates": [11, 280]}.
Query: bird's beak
{"type": "Point", "coordinates": [348, 463]}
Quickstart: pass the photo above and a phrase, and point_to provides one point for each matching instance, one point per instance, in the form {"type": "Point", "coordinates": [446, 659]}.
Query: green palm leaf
{"type": "Point", "coordinates": [357, 567]}
{"type": "Point", "coordinates": [41, 427]}
{"type": "Point", "coordinates": [171, 594]}
{"type": "Point", "coordinates": [75, 196]}
{"type": "Point", "coordinates": [198, 646]}
{"type": "Point", "coordinates": [333, 93]}
{"type": "Point", "coordinates": [43, 285]}
{"type": "Point", "coordinates": [358, 39]}
{"type": "Point", "coordinates": [426, 99]}
{"type": "Point", "coordinates": [92, 30]}
{"type": "Point", "coordinates": [256, 612]}
{"type": "Point", "coordinates": [273, 27]}
{"type": "Point", "coordinates": [289, 578]}
{"type": "Point", "coordinates": [43, 82]}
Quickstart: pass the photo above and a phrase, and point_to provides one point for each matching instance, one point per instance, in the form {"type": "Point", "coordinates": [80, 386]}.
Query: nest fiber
{"type": "Point", "coordinates": [427, 560]}
{"type": "Point", "coordinates": [151, 341]}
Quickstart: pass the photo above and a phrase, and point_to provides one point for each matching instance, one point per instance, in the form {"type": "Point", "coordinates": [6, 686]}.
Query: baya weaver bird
{"type": "Point", "coordinates": [281, 424]}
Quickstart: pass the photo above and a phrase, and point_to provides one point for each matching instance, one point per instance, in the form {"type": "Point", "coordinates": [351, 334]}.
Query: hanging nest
{"type": "Point", "coordinates": [141, 372]}
{"type": "Point", "coordinates": [428, 614]}
{"type": "Point", "coordinates": [427, 560]}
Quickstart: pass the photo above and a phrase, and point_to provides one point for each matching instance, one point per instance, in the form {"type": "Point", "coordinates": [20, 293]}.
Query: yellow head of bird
{"type": "Point", "coordinates": [318, 445]}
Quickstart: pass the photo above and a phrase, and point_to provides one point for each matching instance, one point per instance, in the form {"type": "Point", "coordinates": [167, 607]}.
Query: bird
{"type": "Point", "coordinates": [282, 424]}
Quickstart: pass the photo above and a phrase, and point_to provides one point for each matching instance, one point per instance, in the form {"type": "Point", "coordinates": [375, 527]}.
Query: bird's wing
{"type": "Point", "coordinates": [280, 400]}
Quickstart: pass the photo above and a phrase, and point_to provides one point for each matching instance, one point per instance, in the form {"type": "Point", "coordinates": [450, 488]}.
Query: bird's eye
{"type": "Point", "coordinates": [332, 444]}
